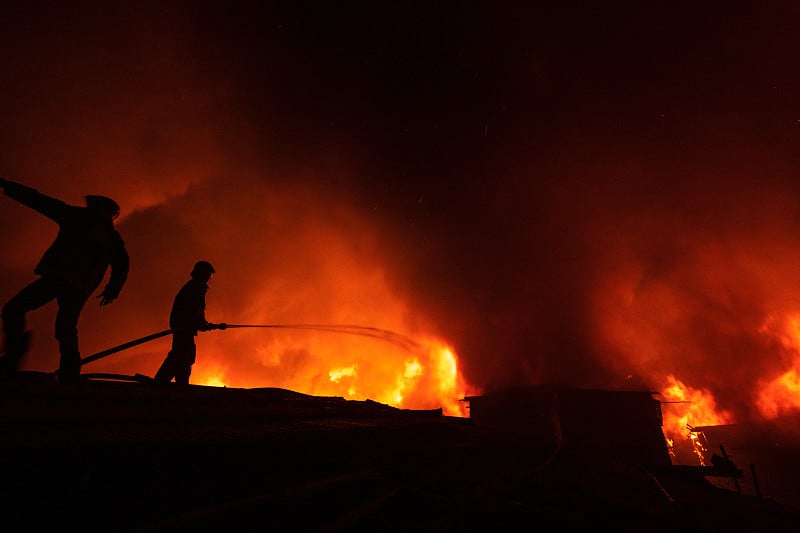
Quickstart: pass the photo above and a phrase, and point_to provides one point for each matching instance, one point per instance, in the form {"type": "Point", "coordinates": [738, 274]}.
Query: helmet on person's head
{"type": "Point", "coordinates": [203, 267]}
{"type": "Point", "coordinates": [103, 205]}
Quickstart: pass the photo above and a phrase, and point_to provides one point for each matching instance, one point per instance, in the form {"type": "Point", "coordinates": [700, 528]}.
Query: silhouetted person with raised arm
{"type": "Point", "coordinates": [70, 270]}
{"type": "Point", "coordinates": [188, 316]}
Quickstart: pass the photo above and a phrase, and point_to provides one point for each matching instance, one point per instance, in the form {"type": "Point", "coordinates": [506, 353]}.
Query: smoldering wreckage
{"type": "Point", "coordinates": [115, 452]}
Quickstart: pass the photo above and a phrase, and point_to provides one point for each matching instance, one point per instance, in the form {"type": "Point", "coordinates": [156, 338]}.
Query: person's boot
{"type": "Point", "coordinates": [8, 366]}
{"type": "Point", "coordinates": [16, 346]}
{"type": "Point", "coordinates": [67, 378]}
{"type": "Point", "coordinates": [69, 370]}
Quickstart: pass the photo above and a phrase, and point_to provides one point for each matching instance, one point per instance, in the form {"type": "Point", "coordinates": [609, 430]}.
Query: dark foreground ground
{"type": "Point", "coordinates": [110, 455]}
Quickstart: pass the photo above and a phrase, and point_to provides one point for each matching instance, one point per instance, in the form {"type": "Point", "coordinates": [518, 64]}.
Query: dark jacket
{"type": "Point", "coordinates": [86, 245]}
{"type": "Point", "coordinates": [189, 308]}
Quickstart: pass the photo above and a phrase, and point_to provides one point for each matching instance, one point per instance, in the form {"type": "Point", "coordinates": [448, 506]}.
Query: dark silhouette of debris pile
{"type": "Point", "coordinates": [113, 455]}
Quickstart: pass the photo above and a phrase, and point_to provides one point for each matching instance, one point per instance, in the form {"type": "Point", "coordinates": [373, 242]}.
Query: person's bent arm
{"type": "Point", "coordinates": [120, 264]}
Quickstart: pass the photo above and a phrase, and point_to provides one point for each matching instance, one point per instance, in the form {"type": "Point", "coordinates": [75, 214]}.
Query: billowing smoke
{"type": "Point", "coordinates": [600, 198]}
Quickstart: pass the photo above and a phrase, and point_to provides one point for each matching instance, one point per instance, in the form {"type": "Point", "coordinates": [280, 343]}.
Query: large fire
{"type": "Point", "coordinates": [323, 267]}
{"type": "Point", "coordinates": [716, 332]}
{"type": "Point", "coordinates": [686, 408]}
{"type": "Point", "coordinates": [323, 362]}
{"type": "Point", "coordinates": [636, 231]}
{"type": "Point", "coordinates": [424, 379]}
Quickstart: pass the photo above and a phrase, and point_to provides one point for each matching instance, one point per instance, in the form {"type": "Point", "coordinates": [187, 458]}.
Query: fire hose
{"type": "Point", "coordinates": [365, 331]}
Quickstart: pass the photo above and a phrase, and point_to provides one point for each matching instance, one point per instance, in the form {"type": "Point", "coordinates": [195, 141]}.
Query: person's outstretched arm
{"type": "Point", "coordinates": [50, 207]}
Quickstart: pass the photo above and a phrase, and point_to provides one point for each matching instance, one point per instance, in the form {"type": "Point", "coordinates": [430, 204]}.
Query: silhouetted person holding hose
{"type": "Point", "coordinates": [188, 316]}
{"type": "Point", "coordinates": [70, 270]}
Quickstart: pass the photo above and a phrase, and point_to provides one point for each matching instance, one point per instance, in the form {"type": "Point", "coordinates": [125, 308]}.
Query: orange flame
{"type": "Point", "coordinates": [687, 408]}
{"type": "Point", "coordinates": [426, 379]}
{"type": "Point", "coordinates": [781, 395]}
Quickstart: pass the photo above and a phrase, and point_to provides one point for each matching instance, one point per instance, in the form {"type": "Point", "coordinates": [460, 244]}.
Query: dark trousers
{"type": "Point", "coordinates": [179, 360]}
{"type": "Point", "coordinates": [70, 303]}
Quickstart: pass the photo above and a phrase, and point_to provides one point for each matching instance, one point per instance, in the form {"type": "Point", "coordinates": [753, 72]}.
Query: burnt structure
{"type": "Point", "coordinates": [621, 424]}
{"type": "Point", "coordinates": [113, 455]}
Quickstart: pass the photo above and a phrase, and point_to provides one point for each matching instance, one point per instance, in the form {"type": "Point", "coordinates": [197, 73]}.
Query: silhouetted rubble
{"type": "Point", "coordinates": [114, 455]}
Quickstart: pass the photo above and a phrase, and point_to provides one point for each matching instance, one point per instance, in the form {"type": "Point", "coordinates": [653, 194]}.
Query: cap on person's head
{"type": "Point", "coordinates": [203, 267]}
{"type": "Point", "coordinates": [103, 205]}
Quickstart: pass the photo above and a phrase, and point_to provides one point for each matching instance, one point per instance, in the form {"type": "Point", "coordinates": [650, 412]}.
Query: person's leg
{"type": "Point", "coordinates": [175, 363]}
{"type": "Point", "coordinates": [182, 375]}
{"type": "Point", "coordinates": [17, 340]}
{"type": "Point", "coordinates": [167, 369]}
{"type": "Point", "coordinates": [70, 304]}
{"type": "Point", "coordinates": [187, 354]}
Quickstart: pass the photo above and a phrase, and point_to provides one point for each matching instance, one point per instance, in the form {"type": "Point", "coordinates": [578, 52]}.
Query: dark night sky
{"type": "Point", "coordinates": [597, 195]}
